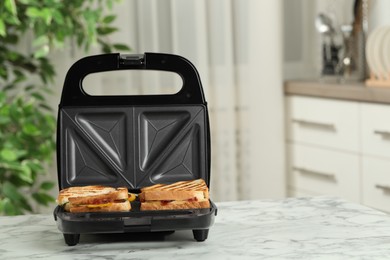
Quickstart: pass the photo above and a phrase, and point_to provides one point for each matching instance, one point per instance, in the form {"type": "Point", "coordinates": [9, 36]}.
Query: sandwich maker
{"type": "Point", "coordinates": [133, 141]}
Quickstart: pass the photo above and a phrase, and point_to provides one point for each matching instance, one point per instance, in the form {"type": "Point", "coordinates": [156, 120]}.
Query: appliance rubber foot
{"type": "Point", "coordinates": [72, 239]}
{"type": "Point", "coordinates": [200, 234]}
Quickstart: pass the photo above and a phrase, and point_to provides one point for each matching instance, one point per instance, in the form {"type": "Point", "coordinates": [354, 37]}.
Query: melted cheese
{"type": "Point", "coordinates": [131, 197]}
{"type": "Point", "coordinates": [98, 205]}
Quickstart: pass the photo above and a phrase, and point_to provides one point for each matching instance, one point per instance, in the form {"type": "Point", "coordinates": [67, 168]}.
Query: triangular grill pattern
{"type": "Point", "coordinates": [108, 132]}
{"type": "Point", "coordinates": [183, 160]}
{"type": "Point", "coordinates": [157, 132]}
{"type": "Point", "coordinates": [84, 164]}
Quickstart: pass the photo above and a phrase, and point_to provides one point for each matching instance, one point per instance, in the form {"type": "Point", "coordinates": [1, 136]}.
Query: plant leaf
{"type": "Point", "coordinates": [46, 15]}
{"type": "Point", "coordinates": [24, 204]}
{"type": "Point", "coordinates": [3, 73]}
{"type": "Point", "coordinates": [31, 129]}
{"type": "Point", "coordinates": [42, 52]}
{"type": "Point", "coordinates": [121, 47]}
{"type": "Point", "coordinates": [38, 96]}
{"type": "Point", "coordinates": [3, 97]}
{"type": "Point", "coordinates": [106, 30]}
{"type": "Point", "coordinates": [43, 198]}
{"type": "Point", "coordinates": [109, 19]}
{"type": "Point", "coordinates": [4, 119]}
{"type": "Point", "coordinates": [8, 155]}
{"type": "Point", "coordinates": [109, 4]}
{"type": "Point", "coordinates": [29, 87]}
{"type": "Point", "coordinates": [33, 12]}
{"type": "Point", "coordinates": [26, 173]}
{"type": "Point", "coordinates": [14, 200]}
{"type": "Point", "coordinates": [58, 17]}
{"type": "Point", "coordinates": [47, 185]}
{"type": "Point", "coordinates": [9, 208]}
{"type": "Point", "coordinates": [35, 165]}
{"type": "Point", "coordinates": [2, 202]}
{"type": "Point", "coordinates": [106, 48]}
{"type": "Point", "coordinates": [2, 28]}
{"type": "Point", "coordinates": [10, 6]}
{"type": "Point", "coordinates": [41, 40]}
{"type": "Point", "coordinates": [11, 192]}
{"type": "Point", "coordinates": [45, 107]}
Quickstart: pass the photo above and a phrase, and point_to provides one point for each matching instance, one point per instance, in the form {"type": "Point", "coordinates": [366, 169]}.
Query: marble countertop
{"type": "Point", "coordinates": [294, 228]}
{"type": "Point", "coordinates": [357, 91]}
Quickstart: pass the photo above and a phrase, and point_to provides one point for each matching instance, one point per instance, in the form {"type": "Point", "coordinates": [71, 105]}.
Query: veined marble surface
{"type": "Point", "coordinates": [295, 228]}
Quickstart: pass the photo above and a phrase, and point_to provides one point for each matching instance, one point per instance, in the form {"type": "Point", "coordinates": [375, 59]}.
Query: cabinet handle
{"type": "Point", "coordinates": [383, 187]}
{"type": "Point", "coordinates": [326, 175]}
{"type": "Point", "coordinates": [382, 133]}
{"type": "Point", "coordinates": [326, 126]}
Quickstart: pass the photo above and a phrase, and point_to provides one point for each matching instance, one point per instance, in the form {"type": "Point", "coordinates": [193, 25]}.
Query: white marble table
{"type": "Point", "coordinates": [305, 228]}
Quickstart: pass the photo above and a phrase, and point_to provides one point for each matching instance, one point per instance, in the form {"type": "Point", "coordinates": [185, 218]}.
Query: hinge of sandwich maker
{"type": "Point", "coordinates": [133, 224]}
{"type": "Point", "coordinates": [132, 61]}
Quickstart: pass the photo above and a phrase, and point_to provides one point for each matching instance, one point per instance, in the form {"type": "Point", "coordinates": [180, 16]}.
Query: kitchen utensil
{"type": "Point", "coordinates": [324, 24]}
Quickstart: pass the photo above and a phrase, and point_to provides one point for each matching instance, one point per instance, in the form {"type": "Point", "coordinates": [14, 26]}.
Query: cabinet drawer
{"type": "Point", "coordinates": [376, 183]}
{"type": "Point", "coordinates": [375, 125]}
{"type": "Point", "coordinates": [324, 172]}
{"type": "Point", "coordinates": [329, 123]}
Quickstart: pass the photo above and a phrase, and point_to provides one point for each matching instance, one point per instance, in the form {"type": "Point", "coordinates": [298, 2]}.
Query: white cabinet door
{"type": "Point", "coordinates": [375, 125]}
{"type": "Point", "coordinates": [324, 172]}
{"type": "Point", "coordinates": [324, 122]}
{"type": "Point", "coordinates": [376, 183]}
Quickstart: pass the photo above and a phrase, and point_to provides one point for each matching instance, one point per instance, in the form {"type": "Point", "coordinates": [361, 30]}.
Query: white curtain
{"type": "Point", "coordinates": [236, 46]}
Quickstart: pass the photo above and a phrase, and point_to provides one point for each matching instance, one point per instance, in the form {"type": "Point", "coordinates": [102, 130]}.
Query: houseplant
{"type": "Point", "coordinates": [27, 123]}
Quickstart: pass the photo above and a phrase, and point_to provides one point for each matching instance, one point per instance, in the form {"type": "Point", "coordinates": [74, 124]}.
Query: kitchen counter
{"type": "Point", "coordinates": [346, 91]}
{"type": "Point", "coordinates": [294, 228]}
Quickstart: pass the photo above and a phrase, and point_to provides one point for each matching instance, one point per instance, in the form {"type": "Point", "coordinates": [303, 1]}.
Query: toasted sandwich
{"type": "Point", "coordinates": [180, 195]}
{"type": "Point", "coordinates": [94, 199]}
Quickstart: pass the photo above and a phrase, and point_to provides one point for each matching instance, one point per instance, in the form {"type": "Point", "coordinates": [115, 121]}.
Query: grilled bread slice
{"type": "Point", "coordinates": [179, 195]}
{"type": "Point", "coordinates": [94, 198]}
{"type": "Point", "coordinates": [175, 204]}
{"type": "Point", "coordinates": [104, 207]}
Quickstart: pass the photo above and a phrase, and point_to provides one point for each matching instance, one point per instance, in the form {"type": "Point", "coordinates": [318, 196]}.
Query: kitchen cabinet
{"type": "Point", "coordinates": [376, 183]}
{"type": "Point", "coordinates": [322, 122]}
{"type": "Point", "coordinates": [324, 171]}
{"type": "Point", "coordinates": [375, 143]}
{"type": "Point", "coordinates": [375, 129]}
{"type": "Point", "coordinates": [339, 147]}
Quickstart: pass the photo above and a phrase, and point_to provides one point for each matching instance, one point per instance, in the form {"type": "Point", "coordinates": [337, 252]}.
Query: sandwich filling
{"type": "Point", "coordinates": [101, 204]}
{"type": "Point", "coordinates": [166, 202]}
{"type": "Point", "coordinates": [179, 195]}
{"type": "Point", "coordinates": [94, 199]}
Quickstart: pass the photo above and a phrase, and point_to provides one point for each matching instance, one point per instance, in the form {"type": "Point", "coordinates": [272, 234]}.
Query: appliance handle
{"type": "Point", "coordinates": [73, 93]}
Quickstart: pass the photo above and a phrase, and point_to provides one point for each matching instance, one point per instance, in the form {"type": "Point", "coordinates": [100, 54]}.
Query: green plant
{"type": "Point", "coordinates": [27, 123]}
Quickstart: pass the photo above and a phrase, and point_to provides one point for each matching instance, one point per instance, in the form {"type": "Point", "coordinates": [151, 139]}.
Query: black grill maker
{"type": "Point", "coordinates": [133, 141]}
